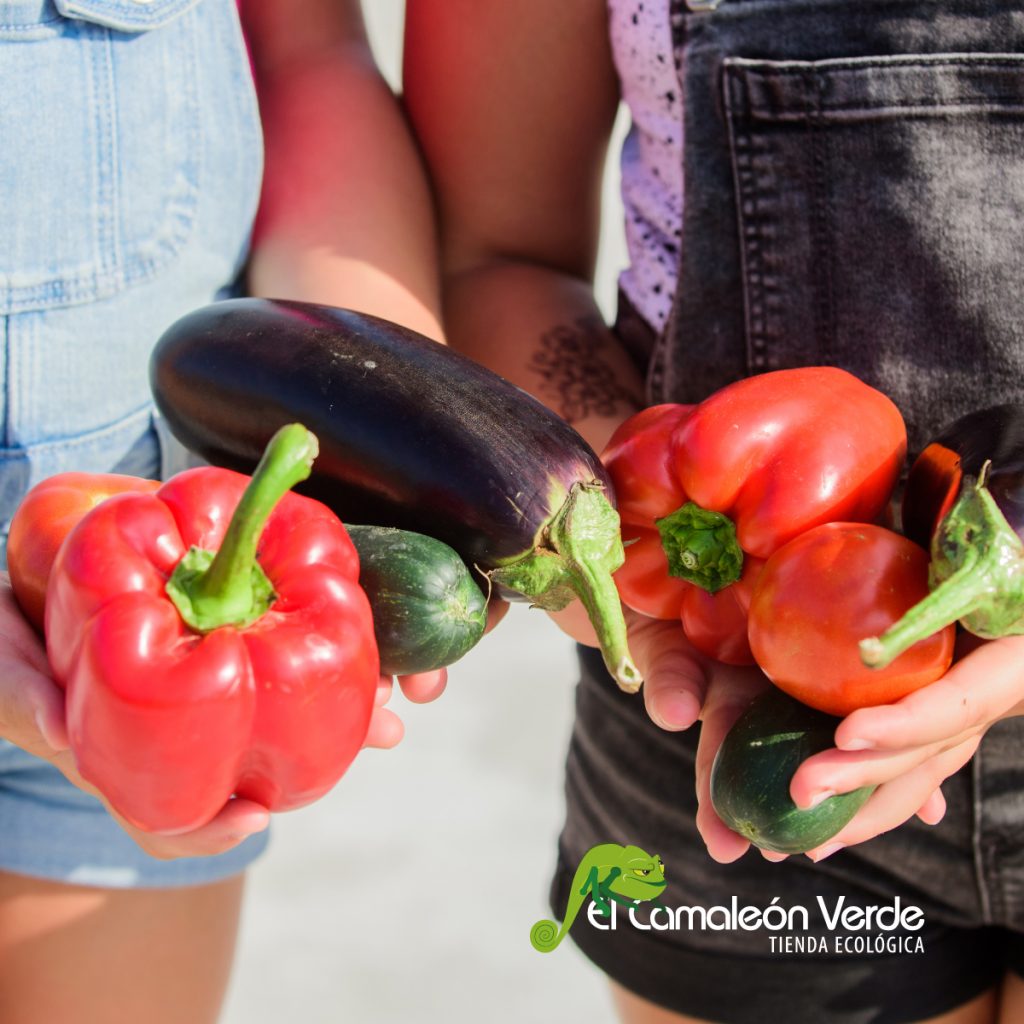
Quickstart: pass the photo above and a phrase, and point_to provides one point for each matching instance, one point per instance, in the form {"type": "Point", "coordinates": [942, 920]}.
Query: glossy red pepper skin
{"type": "Point", "coordinates": [815, 599]}
{"type": "Point", "coordinates": [44, 518]}
{"type": "Point", "coordinates": [168, 723]}
{"type": "Point", "coordinates": [777, 454]}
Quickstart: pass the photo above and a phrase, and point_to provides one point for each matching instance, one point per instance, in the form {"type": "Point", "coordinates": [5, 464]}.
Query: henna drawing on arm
{"type": "Point", "coordinates": [571, 364]}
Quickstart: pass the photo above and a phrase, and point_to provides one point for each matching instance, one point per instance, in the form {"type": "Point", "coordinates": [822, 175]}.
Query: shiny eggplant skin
{"type": "Point", "coordinates": [412, 434]}
{"type": "Point", "coordinates": [959, 452]}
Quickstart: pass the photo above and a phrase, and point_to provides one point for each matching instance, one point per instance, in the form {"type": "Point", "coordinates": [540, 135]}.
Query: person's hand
{"type": "Point", "coordinates": [680, 686]}
{"type": "Point", "coordinates": [386, 729]}
{"type": "Point", "coordinates": [32, 717]}
{"type": "Point", "coordinates": [675, 674]}
{"type": "Point", "coordinates": [31, 703]}
{"type": "Point", "coordinates": [909, 748]}
{"type": "Point", "coordinates": [729, 693]}
{"type": "Point", "coordinates": [906, 749]}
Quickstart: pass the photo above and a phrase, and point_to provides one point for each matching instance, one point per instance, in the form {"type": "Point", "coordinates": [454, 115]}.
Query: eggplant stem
{"type": "Point", "coordinates": [962, 593]}
{"type": "Point", "coordinates": [581, 550]}
{"type": "Point", "coordinates": [597, 591]}
{"type": "Point", "coordinates": [976, 577]}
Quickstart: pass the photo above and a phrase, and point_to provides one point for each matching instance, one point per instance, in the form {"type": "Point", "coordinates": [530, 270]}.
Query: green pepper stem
{"type": "Point", "coordinates": [581, 549]}
{"type": "Point", "coordinates": [229, 588]}
{"type": "Point", "coordinates": [976, 575]}
{"type": "Point", "coordinates": [701, 547]}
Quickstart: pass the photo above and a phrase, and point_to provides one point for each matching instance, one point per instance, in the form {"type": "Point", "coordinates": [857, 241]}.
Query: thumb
{"type": "Point", "coordinates": [730, 694]}
{"type": "Point", "coordinates": [675, 673]}
{"type": "Point", "coordinates": [31, 703]}
{"type": "Point", "coordinates": [31, 708]}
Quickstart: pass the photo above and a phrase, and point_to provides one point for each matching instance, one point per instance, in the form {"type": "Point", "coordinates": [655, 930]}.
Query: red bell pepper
{"type": "Point", "coordinates": [213, 640]}
{"type": "Point", "coordinates": [44, 518]}
{"type": "Point", "coordinates": [817, 596]}
{"type": "Point", "coordinates": [706, 493]}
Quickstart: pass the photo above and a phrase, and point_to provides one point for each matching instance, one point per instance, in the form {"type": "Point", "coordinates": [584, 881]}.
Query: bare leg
{"type": "Point", "coordinates": [1011, 1006]}
{"type": "Point", "coordinates": [79, 955]}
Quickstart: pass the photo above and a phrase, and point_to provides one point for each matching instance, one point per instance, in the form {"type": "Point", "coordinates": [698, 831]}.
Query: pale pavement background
{"type": "Point", "coordinates": [406, 896]}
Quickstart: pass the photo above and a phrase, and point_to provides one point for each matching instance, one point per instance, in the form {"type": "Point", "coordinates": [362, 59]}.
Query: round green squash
{"type": "Point", "coordinates": [754, 766]}
{"type": "Point", "coordinates": [427, 609]}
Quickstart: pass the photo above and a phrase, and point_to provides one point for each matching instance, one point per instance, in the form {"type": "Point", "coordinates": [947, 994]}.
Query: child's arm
{"type": "Point", "coordinates": [345, 215]}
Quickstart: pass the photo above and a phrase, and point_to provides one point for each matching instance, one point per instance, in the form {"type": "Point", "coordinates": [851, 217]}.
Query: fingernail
{"type": "Point", "coordinates": [677, 709]}
{"type": "Point", "coordinates": [54, 740]}
{"type": "Point", "coordinates": [827, 851]}
{"type": "Point", "coordinates": [858, 744]}
{"type": "Point", "coordinates": [820, 798]}
{"type": "Point", "coordinates": [240, 835]}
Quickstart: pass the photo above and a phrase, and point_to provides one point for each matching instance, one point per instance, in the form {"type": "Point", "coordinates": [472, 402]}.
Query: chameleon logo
{"type": "Point", "coordinates": [607, 872]}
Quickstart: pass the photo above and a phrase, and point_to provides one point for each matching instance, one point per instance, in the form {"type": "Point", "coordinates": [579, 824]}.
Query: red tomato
{"type": "Point", "coordinates": [47, 514]}
{"type": "Point", "coordinates": [822, 593]}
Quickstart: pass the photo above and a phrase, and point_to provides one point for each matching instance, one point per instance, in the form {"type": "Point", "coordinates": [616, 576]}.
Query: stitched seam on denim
{"type": "Point", "coordinates": [110, 255]}
{"type": "Point", "coordinates": [99, 436]}
{"type": "Point", "coordinates": [655, 384]}
{"type": "Point", "coordinates": [735, 8]}
{"type": "Point", "coordinates": [87, 8]}
{"type": "Point", "coordinates": [979, 61]}
{"type": "Point", "coordinates": [819, 220]}
{"type": "Point", "coordinates": [128, 18]}
{"type": "Point", "coordinates": [106, 6]}
{"type": "Point", "coordinates": [751, 250]}
{"type": "Point", "coordinates": [174, 232]}
{"type": "Point", "coordinates": [32, 26]}
{"type": "Point", "coordinates": [977, 767]}
{"type": "Point", "coordinates": [993, 103]}
{"type": "Point", "coordinates": [6, 340]}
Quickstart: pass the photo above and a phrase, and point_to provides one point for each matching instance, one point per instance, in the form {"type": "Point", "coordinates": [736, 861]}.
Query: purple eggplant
{"type": "Point", "coordinates": [964, 501]}
{"type": "Point", "coordinates": [412, 435]}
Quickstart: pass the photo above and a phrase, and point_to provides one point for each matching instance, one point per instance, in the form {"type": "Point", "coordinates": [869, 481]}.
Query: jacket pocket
{"type": "Point", "coordinates": [125, 15]}
{"type": "Point", "coordinates": [879, 203]}
{"type": "Point", "coordinates": [100, 169]}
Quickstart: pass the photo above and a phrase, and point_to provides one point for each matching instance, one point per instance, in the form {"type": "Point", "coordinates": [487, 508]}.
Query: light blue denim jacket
{"type": "Point", "coordinates": [130, 167]}
{"type": "Point", "coordinates": [122, 206]}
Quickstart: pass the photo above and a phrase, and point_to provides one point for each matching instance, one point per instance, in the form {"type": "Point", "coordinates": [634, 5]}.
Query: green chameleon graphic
{"type": "Point", "coordinates": [607, 872]}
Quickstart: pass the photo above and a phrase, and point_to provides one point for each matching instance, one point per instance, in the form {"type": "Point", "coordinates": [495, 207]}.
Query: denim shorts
{"type": "Point", "coordinates": [130, 172]}
{"type": "Point", "coordinates": [51, 829]}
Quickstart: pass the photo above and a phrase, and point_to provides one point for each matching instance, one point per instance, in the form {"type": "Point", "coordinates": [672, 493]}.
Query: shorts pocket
{"type": "Point", "coordinates": [100, 170]}
{"type": "Point", "coordinates": [879, 203]}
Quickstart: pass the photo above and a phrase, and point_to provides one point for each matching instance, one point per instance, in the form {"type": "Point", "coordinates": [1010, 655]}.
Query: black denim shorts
{"type": "Point", "coordinates": [632, 783]}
